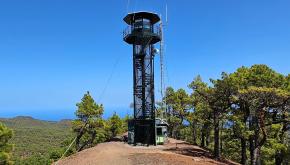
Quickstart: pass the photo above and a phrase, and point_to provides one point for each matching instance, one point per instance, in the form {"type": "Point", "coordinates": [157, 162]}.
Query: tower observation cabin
{"type": "Point", "coordinates": [142, 33]}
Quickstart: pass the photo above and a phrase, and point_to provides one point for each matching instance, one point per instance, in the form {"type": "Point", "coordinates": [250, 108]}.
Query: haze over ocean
{"type": "Point", "coordinates": [57, 115]}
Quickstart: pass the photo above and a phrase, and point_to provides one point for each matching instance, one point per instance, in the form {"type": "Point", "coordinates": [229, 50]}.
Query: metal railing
{"type": "Point", "coordinates": [130, 29]}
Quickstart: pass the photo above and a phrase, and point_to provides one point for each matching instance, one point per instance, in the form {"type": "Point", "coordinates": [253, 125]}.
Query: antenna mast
{"type": "Point", "coordinates": [163, 102]}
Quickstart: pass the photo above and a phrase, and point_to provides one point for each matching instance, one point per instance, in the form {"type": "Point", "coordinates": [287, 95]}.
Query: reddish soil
{"type": "Point", "coordinates": [117, 153]}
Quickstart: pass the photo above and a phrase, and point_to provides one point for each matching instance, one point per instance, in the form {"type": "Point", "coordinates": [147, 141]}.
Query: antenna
{"type": "Point", "coordinates": [164, 87]}
{"type": "Point", "coordinates": [166, 20]}
{"type": "Point", "coordinates": [162, 71]}
{"type": "Point", "coordinates": [127, 7]}
{"type": "Point", "coordinates": [162, 26]}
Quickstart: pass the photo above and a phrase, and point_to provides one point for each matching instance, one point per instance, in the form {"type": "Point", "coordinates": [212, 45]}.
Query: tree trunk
{"type": "Point", "coordinates": [94, 134]}
{"type": "Point", "coordinates": [194, 132]}
{"type": "Point", "coordinates": [243, 139]}
{"type": "Point", "coordinates": [251, 148]}
{"type": "Point", "coordinates": [83, 146]}
{"type": "Point", "coordinates": [257, 144]}
{"type": "Point", "coordinates": [278, 158]}
{"type": "Point", "coordinates": [216, 136]}
{"type": "Point", "coordinates": [203, 136]}
{"type": "Point", "coordinates": [78, 139]}
{"type": "Point", "coordinates": [207, 136]}
{"type": "Point", "coordinates": [279, 154]}
{"type": "Point", "coordinates": [174, 132]}
{"type": "Point", "coordinates": [243, 151]}
{"type": "Point", "coordinates": [221, 137]}
{"type": "Point", "coordinates": [88, 142]}
{"type": "Point", "coordinates": [257, 154]}
{"type": "Point", "coordinates": [251, 140]}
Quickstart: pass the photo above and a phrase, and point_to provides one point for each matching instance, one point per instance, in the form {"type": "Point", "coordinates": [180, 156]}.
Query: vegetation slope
{"type": "Point", "coordinates": [34, 137]}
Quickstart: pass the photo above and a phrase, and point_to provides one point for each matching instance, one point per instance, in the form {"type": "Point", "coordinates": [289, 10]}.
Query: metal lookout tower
{"type": "Point", "coordinates": [143, 32]}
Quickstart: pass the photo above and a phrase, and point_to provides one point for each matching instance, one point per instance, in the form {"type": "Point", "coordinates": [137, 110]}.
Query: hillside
{"type": "Point", "coordinates": [176, 152]}
{"type": "Point", "coordinates": [32, 136]}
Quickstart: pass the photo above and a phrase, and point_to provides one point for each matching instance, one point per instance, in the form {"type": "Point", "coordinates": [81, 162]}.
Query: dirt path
{"type": "Point", "coordinates": [118, 153]}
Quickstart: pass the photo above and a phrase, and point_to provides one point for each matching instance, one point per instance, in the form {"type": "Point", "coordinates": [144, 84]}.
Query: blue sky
{"type": "Point", "coordinates": [53, 51]}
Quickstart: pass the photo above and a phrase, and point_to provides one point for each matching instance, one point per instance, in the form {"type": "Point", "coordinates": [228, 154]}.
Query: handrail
{"type": "Point", "coordinates": [129, 30]}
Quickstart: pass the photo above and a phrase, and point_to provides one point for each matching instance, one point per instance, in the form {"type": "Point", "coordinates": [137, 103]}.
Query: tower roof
{"type": "Point", "coordinates": [153, 17]}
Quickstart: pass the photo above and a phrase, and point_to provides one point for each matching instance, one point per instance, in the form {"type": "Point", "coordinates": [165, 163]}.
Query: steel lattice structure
{"type": "Point", "coordinates": [143, 33]}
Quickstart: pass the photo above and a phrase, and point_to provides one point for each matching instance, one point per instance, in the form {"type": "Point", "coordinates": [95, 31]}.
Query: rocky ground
{"type": "Point", "coordinates": [118, 153]}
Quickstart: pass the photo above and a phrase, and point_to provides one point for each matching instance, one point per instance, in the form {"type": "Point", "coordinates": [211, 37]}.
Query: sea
{"type": "Point", "coordinates": [60, 114]}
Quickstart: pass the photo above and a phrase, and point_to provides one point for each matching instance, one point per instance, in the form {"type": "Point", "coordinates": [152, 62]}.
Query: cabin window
{"type": "Point", "coordinates": [146, 21]}
{"type": "Point", "coordinates": [146, 26]}
{"type": "Point", "coordinates": [138, 20]}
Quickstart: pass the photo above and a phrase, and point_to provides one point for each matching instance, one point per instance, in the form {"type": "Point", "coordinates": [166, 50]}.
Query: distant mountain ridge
{"type": "Point", "coordinates": [33, 136]}
{"type": "Point", "coordinates": [31, 118]}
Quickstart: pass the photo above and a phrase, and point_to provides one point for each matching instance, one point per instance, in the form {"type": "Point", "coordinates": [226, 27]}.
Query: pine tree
{"type": "Point", "coordinates": [115, 125]}
{"type": "Point", "coordinates": [5, 147]}
{"type": "Point", "coordinates": [89, 123]}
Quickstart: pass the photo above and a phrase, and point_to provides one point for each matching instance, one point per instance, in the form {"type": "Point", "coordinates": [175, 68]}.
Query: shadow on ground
{"type": "Point", "coordinates": [184, 148]}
